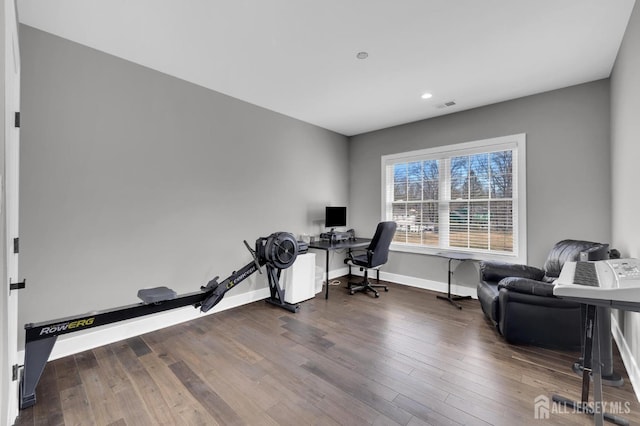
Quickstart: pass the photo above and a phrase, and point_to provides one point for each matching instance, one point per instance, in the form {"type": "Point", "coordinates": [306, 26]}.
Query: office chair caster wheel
{"type": "Point", "coordinates": [386, 289]}
{"type": "Point", "coordinates": [351, 292]}
{"type": "Point", "coordinates": [377, 294]}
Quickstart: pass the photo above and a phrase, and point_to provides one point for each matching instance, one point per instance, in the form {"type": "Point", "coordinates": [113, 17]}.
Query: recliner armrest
{"type": "Point", "coordinates": [527, 286]}
{"type": "Point", "coordinates": [495, 271]}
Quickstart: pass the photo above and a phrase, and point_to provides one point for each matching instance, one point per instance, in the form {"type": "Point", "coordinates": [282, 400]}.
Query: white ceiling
{"type": "Point", "coordinates": [298, 57]}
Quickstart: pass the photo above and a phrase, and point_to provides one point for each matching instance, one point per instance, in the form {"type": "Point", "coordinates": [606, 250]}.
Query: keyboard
{"type": "Point", "coordinates": [613, 280]}
{"type": "Point", "coordinates": [585, 274]}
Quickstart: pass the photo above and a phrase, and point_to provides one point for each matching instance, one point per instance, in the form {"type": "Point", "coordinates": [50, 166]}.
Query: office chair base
{"type": "Point", "coordinates": [364, 287]}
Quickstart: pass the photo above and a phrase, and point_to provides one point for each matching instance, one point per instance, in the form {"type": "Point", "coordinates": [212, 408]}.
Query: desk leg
{"type": "Point", "coordinates": [596, 369]}
{"type": "Point", "coordinates": [326, 290]}
{"type": "Point", "coordinates": [591, 368]}
{"type": "Point", "coordinates": [449, 297]}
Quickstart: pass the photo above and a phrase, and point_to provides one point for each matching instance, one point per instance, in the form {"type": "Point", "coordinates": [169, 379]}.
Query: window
{"type": "Point", "coordinates": [464, 197]}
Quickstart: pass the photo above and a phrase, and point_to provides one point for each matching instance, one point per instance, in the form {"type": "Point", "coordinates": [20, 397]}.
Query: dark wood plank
{"type": "Point", "coordinates": [138, 346]}
{"type": "Point", "coordinates": [103, 402]}
{"type": "Point", "coordinates": [85, 360]}
{"type": "Point", "coordinates": [179, 400]}
{"type": "Point", "coordinates": [146, 388]}
{"type": "Point", "coordinates": [67, 373]}
{"type": "Point", "coordinates": [119, 381]}
{"type": "Point", "coordinates": [216, 406]}
{"type": "Point", "coordinates": [48, 408]}
{"type": "Point", "coordinates": [75, 406]}
{"type": "Point", "coordinates": [376, 396]}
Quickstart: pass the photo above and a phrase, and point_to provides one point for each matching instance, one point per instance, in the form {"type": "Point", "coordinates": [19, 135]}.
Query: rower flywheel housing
{"type": "Point", "coordinates": [279, 249]}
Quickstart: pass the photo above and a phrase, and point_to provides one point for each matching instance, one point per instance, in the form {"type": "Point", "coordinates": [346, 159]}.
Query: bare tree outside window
{"type": "Point", "coordinates": [415, 205]}
{"type": "Point", "coordinates": [481, 218]}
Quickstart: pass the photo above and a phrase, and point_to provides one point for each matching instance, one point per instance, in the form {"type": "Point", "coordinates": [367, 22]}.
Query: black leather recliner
{"type": "Point", "coordinates": [519, 300]}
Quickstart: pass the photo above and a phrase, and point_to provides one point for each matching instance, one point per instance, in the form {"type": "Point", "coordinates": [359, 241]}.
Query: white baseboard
{"type": "Point", "coordinates": [336, 273]}
{"type": "Point", "coordinates": [627, 356]}
{"type": "Point", "coordinates": [74, 343]}
{"type": "Point", "coordinates": [456, 289]}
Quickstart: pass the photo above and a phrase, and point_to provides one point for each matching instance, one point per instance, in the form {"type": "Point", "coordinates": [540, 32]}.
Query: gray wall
{"type": "Point", "coordinates": [568, 168]}
{"type": "Point", "coordinates": [131, 179]}
{"type": "Point", "coordinates": [625, 151]}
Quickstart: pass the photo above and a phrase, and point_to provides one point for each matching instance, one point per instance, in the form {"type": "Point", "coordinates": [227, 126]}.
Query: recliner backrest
{"type": "Point", "coordinates": [568, 251]}
{"type": "Point", "coordinates": [380, 243]}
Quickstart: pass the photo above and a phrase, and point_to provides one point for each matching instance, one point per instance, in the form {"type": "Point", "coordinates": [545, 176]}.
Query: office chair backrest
{"type": "Point", "coordinates": [381, 242]}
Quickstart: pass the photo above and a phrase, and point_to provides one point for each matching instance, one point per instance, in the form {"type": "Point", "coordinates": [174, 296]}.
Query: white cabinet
{"type": "Point", "coordinates": [298, 280]}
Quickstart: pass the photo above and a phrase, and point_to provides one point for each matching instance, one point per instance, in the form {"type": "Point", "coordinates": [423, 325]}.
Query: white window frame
{"type": "Point", "coordinates": [516, 142]}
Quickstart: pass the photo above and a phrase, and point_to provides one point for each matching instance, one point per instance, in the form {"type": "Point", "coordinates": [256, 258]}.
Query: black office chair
{"type": "Point", "coordinates": [376, 254]}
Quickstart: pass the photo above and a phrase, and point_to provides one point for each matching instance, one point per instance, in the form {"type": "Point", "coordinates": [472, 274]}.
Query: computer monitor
{"type": "Point", "coordinates": [335, 216]}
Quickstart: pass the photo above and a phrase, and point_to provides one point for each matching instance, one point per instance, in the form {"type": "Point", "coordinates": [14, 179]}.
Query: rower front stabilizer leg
{"type": "Point", "coordinates": [36, 355]}
{"type": "Point", "coordinates": [277, 292]}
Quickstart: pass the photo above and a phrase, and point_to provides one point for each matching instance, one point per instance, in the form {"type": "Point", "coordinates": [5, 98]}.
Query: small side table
{"type": "Point", "coordinates": [460, 257]}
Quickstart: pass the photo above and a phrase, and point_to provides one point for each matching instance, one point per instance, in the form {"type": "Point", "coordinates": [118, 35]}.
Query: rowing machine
{"type": "Point", "coordinates": [278, 251]}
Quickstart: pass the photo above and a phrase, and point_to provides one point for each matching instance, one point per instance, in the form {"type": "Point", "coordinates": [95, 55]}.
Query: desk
{"type": "Point", "coordinates": [460, 257]}
{"type": "Point", "coordinates": [341, 245]}
{"type": "Point", "coordinates": [592, 360]}
{"type": "Point", "coordinates": [599, 290]}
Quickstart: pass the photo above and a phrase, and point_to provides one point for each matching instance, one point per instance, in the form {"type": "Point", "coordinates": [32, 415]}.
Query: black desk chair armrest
{"type": "Point", "coordinates": [359, 256]}
{"type": "Point", "coordinates": [495, 271]}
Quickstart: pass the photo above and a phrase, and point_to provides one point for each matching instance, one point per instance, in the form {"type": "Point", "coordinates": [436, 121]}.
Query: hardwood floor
{"type": "Point", "coordinates": [405, 358]}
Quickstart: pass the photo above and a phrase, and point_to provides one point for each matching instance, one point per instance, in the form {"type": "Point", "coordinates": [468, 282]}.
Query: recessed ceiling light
{"type": "Point", "coordinates": [426, 95]}
{"type": "Point", "coordinates": [362, 55]}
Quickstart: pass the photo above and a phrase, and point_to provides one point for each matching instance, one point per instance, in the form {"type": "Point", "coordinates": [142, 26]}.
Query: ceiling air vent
{"type": "Point", "coordinates": [446, 105]}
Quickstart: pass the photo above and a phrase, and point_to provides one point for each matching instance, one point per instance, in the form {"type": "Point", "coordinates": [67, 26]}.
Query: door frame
{"type": "Point", "coordinates": [9, 202]}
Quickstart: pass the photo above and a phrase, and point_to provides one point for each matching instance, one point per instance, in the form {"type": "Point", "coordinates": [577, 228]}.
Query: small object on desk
{"type": "Point", "coordinates": [461, 257]}
{"type": "Point", "coordinates": [335, 236]}
{"type": "Point", "coordinates": [305, 238]}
